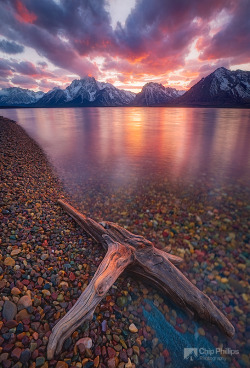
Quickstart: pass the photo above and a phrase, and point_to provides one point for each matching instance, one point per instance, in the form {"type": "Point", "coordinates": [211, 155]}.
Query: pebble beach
{"type": "Point", "coordinates": [46, 262]}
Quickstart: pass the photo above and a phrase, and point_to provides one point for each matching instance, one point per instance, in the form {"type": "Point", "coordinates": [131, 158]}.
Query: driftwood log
{"type": "Point", "coordinates": [140, 258]}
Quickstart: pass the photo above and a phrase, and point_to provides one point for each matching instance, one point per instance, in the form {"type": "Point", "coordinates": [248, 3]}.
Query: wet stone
{"type": "Point", "coordinates": [16, 353]}
{"type": "Point", "coordinates": [122, 301]}
{"type": "Point", "coordinates": [9, 310]}
{"type": "Point", "coordinates": [133, 328]}
{"type": "Point", "coordinates": [9, 262]}
{"type": "Point", "coordinates": [104, 326]}
{"type": "Point", "coordinates": [112, 363]}
{"type": "Point", "coordinates": [24, 302]}
{"type": "Point", "coordinates": [22, 315]}
{"type": "Point", "coordinates": [61, 364]}
{"type": "Point", "coordinates": [11, 324]}
{"type": "Point", "coordinates": [86, 341]}
{"type": "Point", "coordinates": [3, 356]}
{"type": "Point", "coordinates": [123, 356]}
{"type": "Point", "coordinates": [25, 356]}
{"type": "Point", "coordinates": [6, 363]}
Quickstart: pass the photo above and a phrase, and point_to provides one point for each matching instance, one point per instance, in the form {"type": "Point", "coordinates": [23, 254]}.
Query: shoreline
{"type": "Point", "coordinates": [196, 106]}
{"type": "Point", "coordinates": [46, 261]}
{"type": "Point", "coordinates": [39, 278]}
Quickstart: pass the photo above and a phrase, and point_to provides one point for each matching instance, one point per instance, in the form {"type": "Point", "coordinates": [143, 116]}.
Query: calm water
{"type": "Point", "coordinates": [123, 144]}
{"type": "Point", "coordinates": [176, 176]}
{"type": "Point", "coordinates": [106, 157]}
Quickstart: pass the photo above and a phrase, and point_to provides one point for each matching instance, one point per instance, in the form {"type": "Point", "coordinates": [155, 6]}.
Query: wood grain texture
{"type": "Point", "coordinates": [142, 259]}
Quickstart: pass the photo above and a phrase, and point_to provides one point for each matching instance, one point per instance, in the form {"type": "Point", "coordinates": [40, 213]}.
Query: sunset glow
{"type": "Point", "coordinates": [49, 43]}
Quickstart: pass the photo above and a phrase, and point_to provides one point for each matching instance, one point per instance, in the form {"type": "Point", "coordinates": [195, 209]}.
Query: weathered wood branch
{"type": "Point", "coordinates": [118, 257]}
{"type": "Point", "coordinates": [141, 258]}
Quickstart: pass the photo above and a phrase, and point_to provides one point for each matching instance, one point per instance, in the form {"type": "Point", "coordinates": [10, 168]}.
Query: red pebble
{"type": "Point", "coordinates": [54, 296]}
{"type": "Point", "coordinates": [179, 320]}
{"type": "Point", "coordinates": [111, 352]}
{"type": "Point", "coordinates": [104, 351]}
{"type": "Point", "coordinates": [35, 354]}
{"type": "Point", "coordinates": [179, 329]}
{"type": "Point", "coordinates": [16, 353]}
{"type": "Point", "coordinates": [72, 276]}
{"type": "Point", "coordinates": [165, 353]}
{"type": "Point", "coordinates": [7, 348]}
{"type": "Point", "coordinates": [98, 350]}
{"type": "Point", "coordinates": [236, 364]}
{"type": "Point", "coordinates": [165, 233]}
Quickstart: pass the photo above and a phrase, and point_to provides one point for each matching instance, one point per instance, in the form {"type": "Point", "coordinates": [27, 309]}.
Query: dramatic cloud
{"type": "Point", "coordinates": [44, 31]}
{"type": "Point", "coordinates": [232, 41]}
{"type": "Point", "coordinates": [5, 69]}
{"type": "Point", "coordinates": [24, 81]}
{"type": "Point", "coordinates": [9, 47]}
{"type": "Point", "coordinates": [160, 39]}
{"type": "Point", "coordinates": [24, 67]}
{"type": "Point", "coordinates": [28, 68]}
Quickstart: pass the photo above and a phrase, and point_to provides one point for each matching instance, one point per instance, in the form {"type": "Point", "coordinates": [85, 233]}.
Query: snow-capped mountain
{"type": "Point", "coordinates": [223, 87]}
{"type": "Point", "coordinates": [153, 94]}
{"type": "Point", "coordinates": [15, 96]}
{"type": "Point", "coordinates": [87, 92]}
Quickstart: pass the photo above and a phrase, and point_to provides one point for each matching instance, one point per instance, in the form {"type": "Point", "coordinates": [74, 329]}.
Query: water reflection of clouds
{"type": "Point", "coordinates": [121, 143]}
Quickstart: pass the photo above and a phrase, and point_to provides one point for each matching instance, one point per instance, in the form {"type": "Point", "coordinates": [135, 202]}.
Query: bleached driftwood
{"type": "Point", "coordinates": [140, 258]}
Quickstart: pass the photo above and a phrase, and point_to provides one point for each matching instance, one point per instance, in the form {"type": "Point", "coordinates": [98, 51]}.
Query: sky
{"type": "Point", "coordinates": [46, 44]}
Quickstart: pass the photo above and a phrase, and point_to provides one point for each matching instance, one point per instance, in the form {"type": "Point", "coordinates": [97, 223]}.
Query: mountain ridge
{"type": "Point", "coordinates": [18, 96]}
{"type": "Point", "coordinates": [87, 92]}
{"type": "Point", "coordinates": [153, 94]}
{"type": "Point", "coordinates": [220, 88]}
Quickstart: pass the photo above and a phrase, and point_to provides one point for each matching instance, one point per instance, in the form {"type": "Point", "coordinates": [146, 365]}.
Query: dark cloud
{"type": "Point", "coordinates": [233, 40]}
{"type": "Point", "coordinates": [10, 47]}
{"type": "Point", "coordinates": [206, 69]}
{"type": "Point", "coordinates": [24, 81]}
{"type": "Point", "coordinates": [155, 39]}
{"type": "Point", "coordinates": [5, 69]}
{"type": "Point", "coordinates": [4, 82]}
{"type": "Point", "coordinates": [26, 73]}
{"type": "Point", "coordinates": [45, 84]}
{"type": "Point", "coordinates": [85, 24]}
{"type": "Point", "coordinates": [28, 68]}
{"type": "Point", "coordinates": [45, 29]}
{"type": "Point", "coordinates": [165, 26]}
{"type": "Point", "coordinates": [23, 67]}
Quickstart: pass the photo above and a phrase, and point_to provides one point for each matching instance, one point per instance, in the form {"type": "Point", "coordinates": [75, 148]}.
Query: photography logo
{"type": "Point", "coordinates": [190, 353]}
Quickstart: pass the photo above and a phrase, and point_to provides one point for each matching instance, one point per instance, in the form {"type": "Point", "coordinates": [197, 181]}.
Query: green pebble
{"type": "Point", "coordinates": [60, 298]}
{"type": "Point", "coordinates": [122, 301]}
{"type": "Point", "coordinates": [40, 361]}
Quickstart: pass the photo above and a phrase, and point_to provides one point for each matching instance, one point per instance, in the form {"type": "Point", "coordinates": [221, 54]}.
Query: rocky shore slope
{"type": "Point", "coordinates": [46, 261]}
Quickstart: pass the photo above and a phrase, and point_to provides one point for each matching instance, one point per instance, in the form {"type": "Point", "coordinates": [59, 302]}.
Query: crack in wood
{"type": "Point", "coordinates": [138, 256]}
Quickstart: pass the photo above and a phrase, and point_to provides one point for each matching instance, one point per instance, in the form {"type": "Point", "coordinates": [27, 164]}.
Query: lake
{"type": "Point", "coordinates": [120, 145]}
{"type": "Point", "coordinates": [178, 176]}
{"type": "Point", "coordinates": [105, 153]}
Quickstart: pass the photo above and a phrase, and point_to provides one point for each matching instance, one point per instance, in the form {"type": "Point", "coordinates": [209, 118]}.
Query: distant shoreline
{"type": "Point", "coordinates": [115, 107]}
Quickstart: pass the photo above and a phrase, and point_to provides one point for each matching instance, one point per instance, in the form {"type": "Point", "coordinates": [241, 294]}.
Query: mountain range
{"type": "Point", "coordinates": [220, 88]}
{"type": "Point", "coordinates": [153, 94]}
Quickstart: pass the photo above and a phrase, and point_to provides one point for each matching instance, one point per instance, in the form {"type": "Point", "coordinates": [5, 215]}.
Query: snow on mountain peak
{"type": "Point", "coordinates": [222, 87]}
{"type": "Point", "coordinates": [156, 94]}
{"type": "Point", "coordinates": [88, 92]}
{"type": "Point", "coordinates": [18, 96]}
